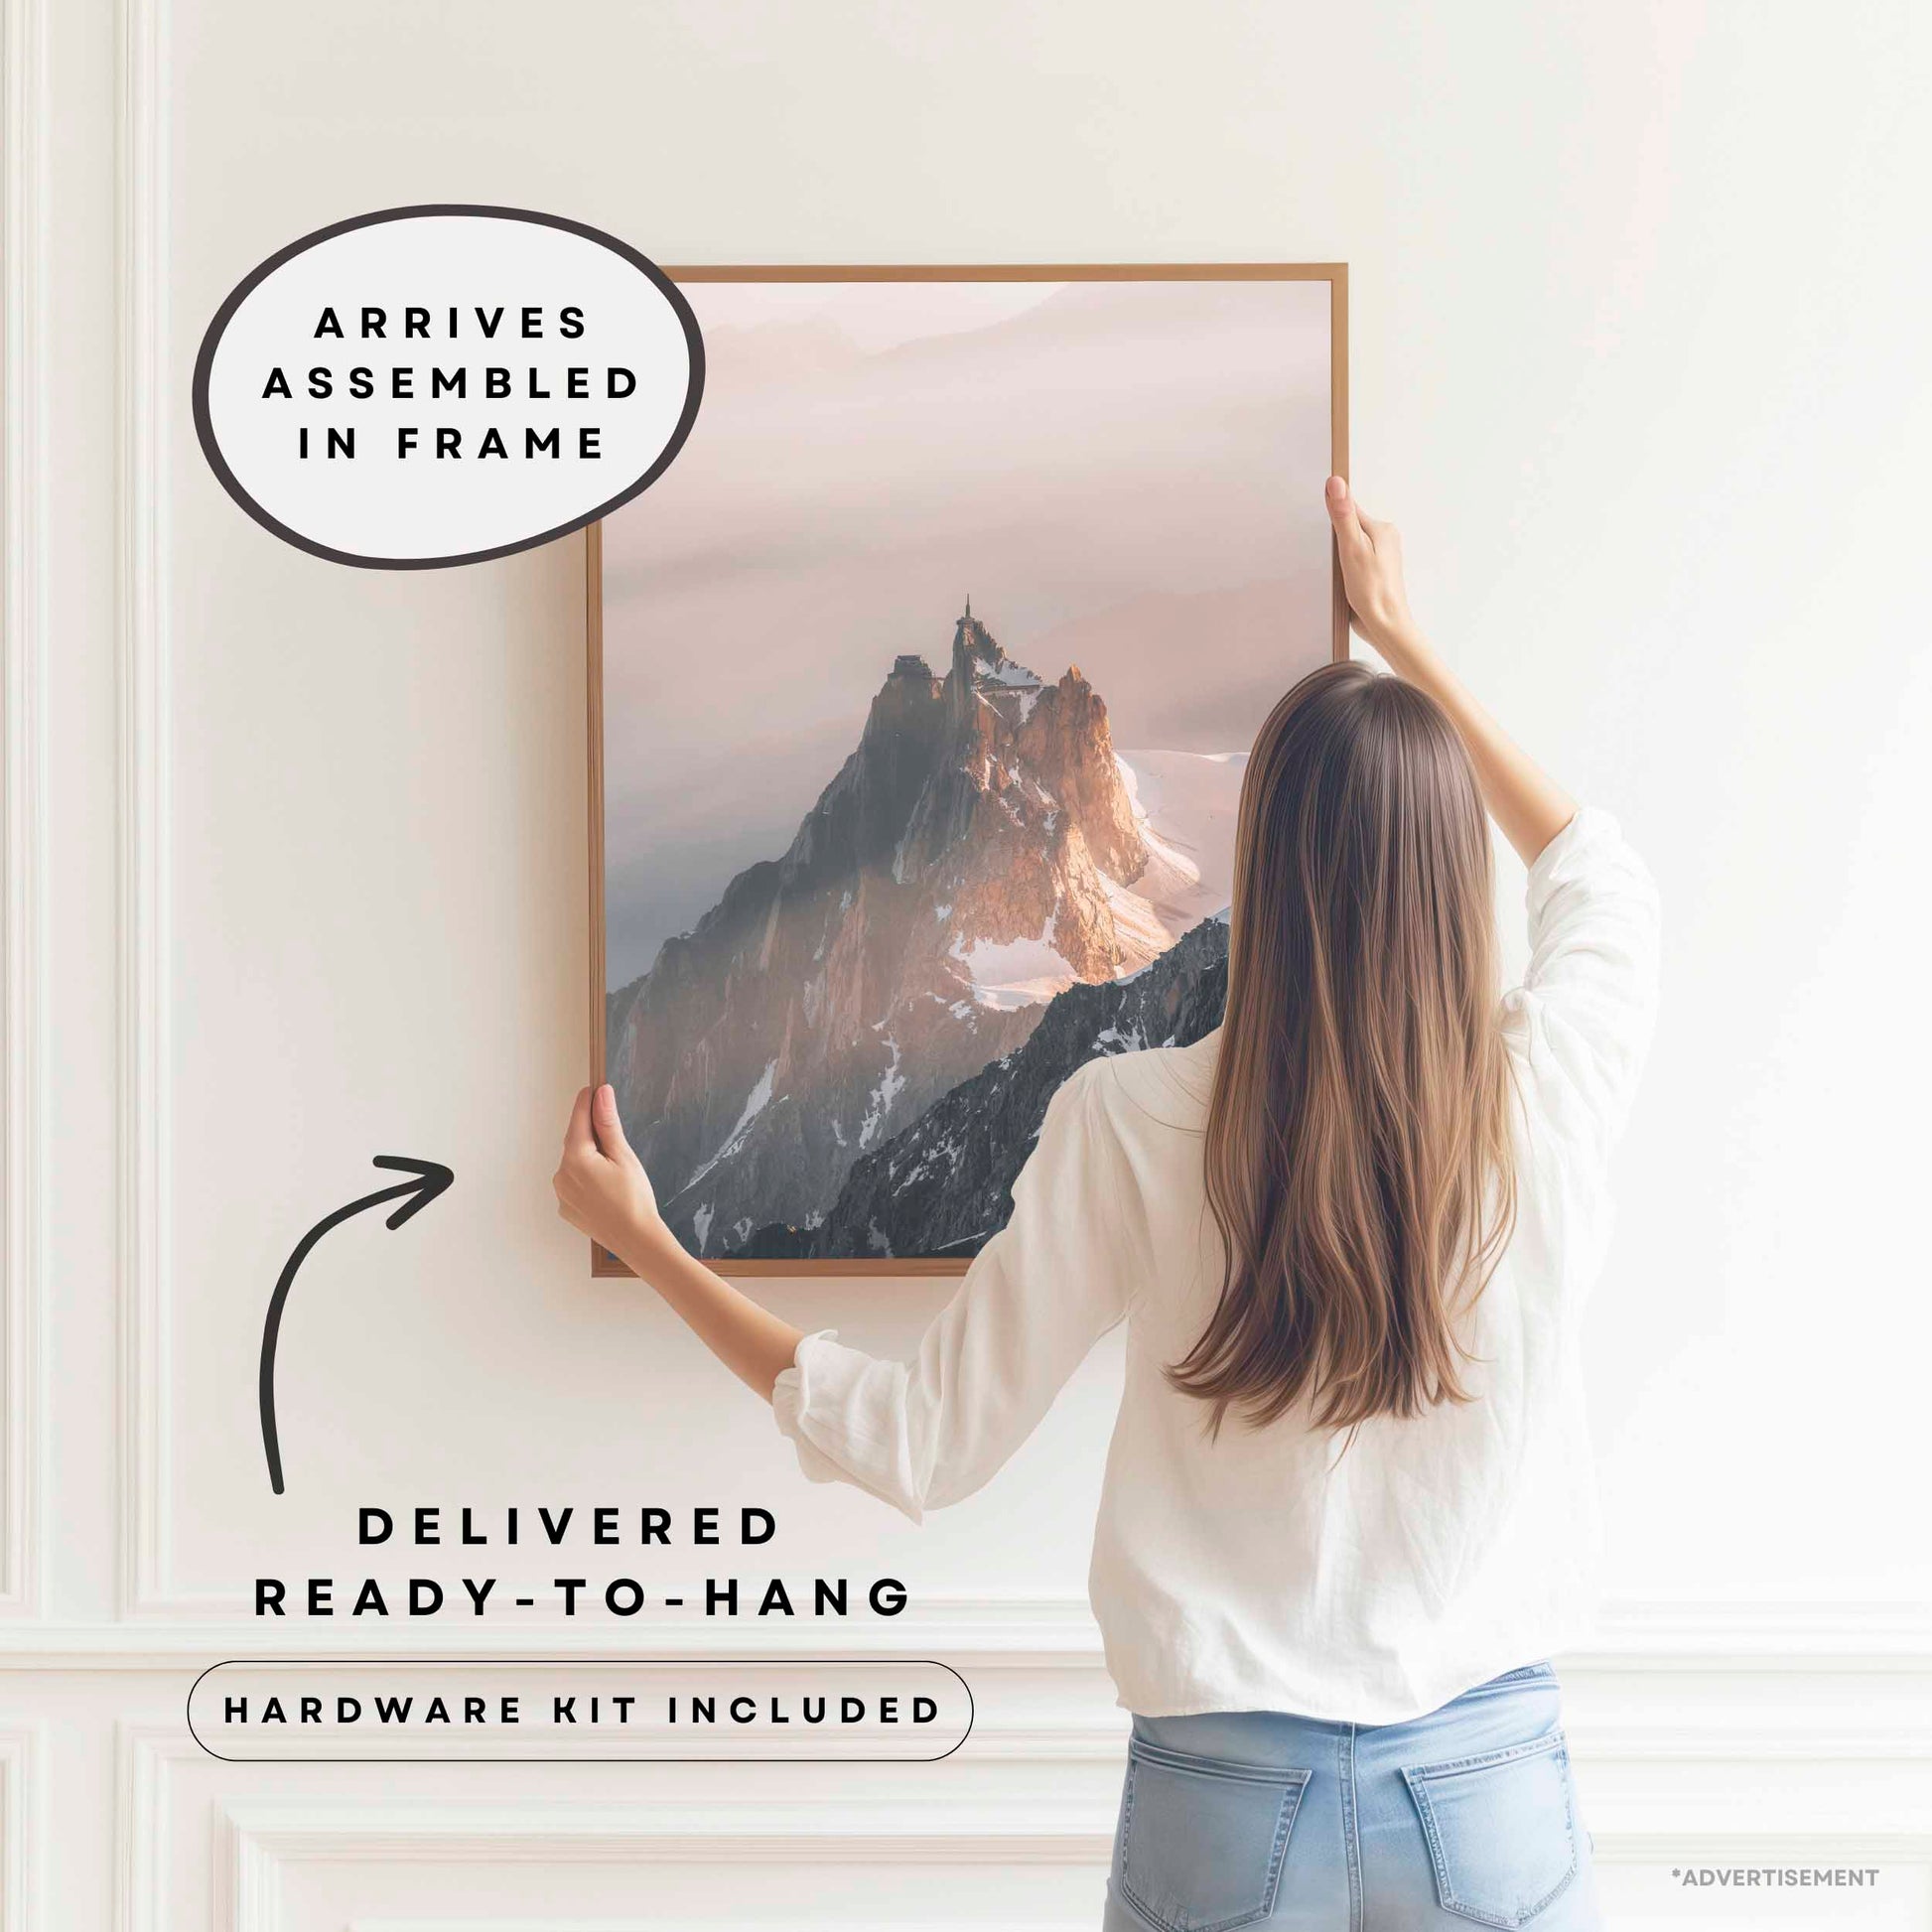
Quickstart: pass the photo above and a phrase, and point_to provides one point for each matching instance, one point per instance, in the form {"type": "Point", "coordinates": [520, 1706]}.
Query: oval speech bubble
{"type": "Point", "coordinates": [439, 386]}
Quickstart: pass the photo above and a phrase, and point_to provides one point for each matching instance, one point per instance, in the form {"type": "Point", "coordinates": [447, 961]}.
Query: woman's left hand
{"type": "Point", "coordinates": [602, 1188]}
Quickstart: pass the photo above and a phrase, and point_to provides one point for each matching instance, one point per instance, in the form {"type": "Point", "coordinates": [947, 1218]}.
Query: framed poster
{"type": "Point", "coordinates": [920, 689]}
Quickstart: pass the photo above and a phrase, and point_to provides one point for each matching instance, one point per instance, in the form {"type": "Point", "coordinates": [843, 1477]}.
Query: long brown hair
{"type": "Point", "coordinates": [1358, 1155]}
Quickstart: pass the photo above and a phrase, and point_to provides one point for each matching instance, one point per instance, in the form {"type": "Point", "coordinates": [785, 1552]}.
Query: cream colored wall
{"type": "Point", "coordinates": [294, 874]}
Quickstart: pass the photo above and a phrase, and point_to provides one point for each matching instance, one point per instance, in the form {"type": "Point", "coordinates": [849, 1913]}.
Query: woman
{"type": "Point", "coordinates": [1347, 1509]}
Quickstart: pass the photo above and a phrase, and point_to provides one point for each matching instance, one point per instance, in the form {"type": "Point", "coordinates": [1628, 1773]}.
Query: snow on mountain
{"type": "Point", "coordinates": [756, 1104]}
{"type": "Point", "coordinates": [1013, 973]}
{"type": "Point", "coordinates": [1187, 803]}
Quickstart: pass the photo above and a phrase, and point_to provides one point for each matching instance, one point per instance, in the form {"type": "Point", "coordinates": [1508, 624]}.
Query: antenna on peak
{"type": "Point", "coordinates": [969, 607]}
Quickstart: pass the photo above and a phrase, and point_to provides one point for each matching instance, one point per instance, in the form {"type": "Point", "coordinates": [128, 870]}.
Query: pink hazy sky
{"type": "Point", "coordinates": [1123, 476]}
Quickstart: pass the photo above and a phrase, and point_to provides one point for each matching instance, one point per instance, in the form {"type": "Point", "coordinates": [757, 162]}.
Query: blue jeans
{"type": "Point", "coordinates": [1254, 1817]}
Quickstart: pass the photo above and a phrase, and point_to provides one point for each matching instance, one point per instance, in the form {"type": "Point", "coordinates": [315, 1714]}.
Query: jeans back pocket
{"type": "Point", "coordinates": [1501, 1829]}
{"type": "Point", "coordinates": [1203, 1839]}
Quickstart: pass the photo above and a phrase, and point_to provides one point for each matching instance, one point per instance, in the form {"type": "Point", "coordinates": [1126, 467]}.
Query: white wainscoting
{"type": "Point", "coordinates": [1014, 1835]}
{"type": "Point", "coordinates": [23, 1827]}
{"type": "Point", "coordinates": [24, 1045]}
{"type": "Point", "coordinates": [148, 367]}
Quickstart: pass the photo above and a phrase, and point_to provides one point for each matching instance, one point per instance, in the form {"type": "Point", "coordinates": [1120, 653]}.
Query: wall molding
{"type": "Point", "coordinates": [682, 1925]}
{"type": "Point", "coordinates": [142, 621]}
{"type": "Point", "coordinates": [1000, 1924]}
{"type": "Point", "coordinates": [1004, 1923]}
{"type": "Point", "coordinates": [260, 1844]}
{"type": "Point", "coordinates": [255, 1843]}
{"type": "Point", "coordinates": [26, 113]}
{"type": "Point", "coordinates": [143, 1755]}
{"type": "Point", "coordinates": [23, 1827]}
{"type": "Point", "coordinates": [874, 1829]}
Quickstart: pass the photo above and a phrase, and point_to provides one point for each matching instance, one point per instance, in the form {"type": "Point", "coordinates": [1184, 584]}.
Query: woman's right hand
{"type": "Point", "coordinates": [602, 1188]}
{"type": "Point", "coordinates": [1371, 575]}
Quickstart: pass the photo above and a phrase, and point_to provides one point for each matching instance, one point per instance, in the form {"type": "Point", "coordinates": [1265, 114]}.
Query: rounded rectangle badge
{"type": "Point", "coordinates": [509, 1710]}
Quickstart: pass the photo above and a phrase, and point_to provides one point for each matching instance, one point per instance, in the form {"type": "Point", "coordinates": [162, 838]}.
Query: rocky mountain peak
{"type": "Point", "coordinates": [978, 663]}
{"type": "Point", "coordinates": [977, 853]}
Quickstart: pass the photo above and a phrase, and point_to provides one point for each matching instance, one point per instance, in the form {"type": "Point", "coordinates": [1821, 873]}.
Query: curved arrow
{"type": "Point", "coordinates": [430, 1178]}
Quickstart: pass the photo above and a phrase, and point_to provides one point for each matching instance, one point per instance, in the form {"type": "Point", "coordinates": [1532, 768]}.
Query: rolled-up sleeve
{"type": "Point", "coordinates": [1582, 1019]}
{"type": "Point", "coordinates": [926, 1432]}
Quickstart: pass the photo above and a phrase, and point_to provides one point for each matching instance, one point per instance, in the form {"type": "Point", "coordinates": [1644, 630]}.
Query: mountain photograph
{"type": "Point", "coordinates": [876, 880]}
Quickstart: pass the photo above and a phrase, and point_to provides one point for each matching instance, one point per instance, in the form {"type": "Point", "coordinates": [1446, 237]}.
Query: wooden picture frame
{"type": "Point", "coordinates": [1334, 274]}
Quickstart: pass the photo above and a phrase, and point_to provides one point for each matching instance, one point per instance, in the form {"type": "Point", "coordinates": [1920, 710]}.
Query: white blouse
{"type": "Point", "coordinates": [1274, 1568]}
